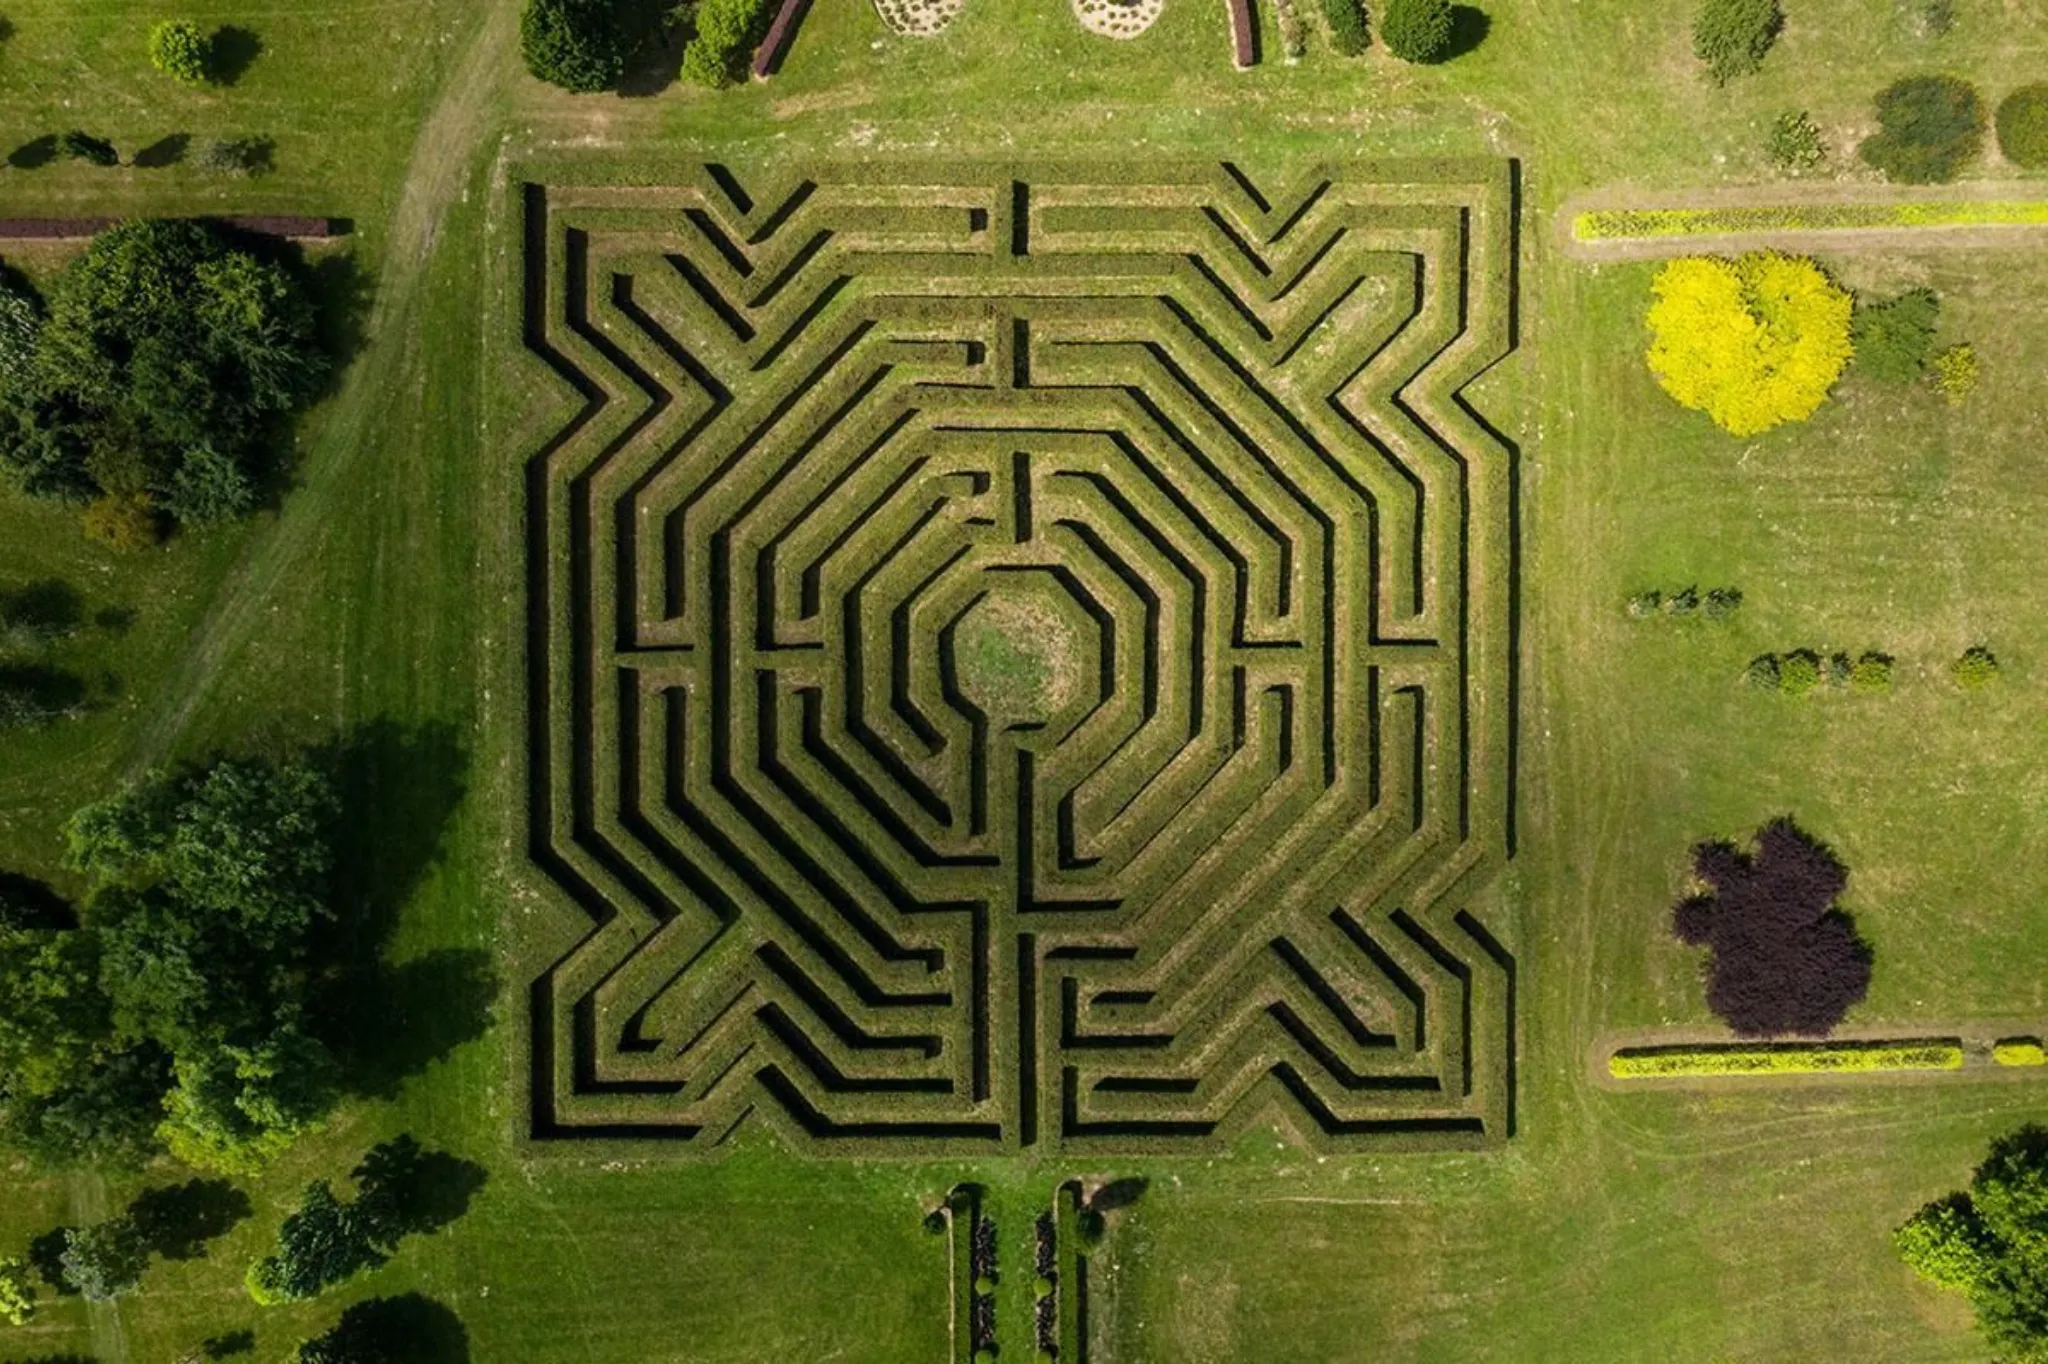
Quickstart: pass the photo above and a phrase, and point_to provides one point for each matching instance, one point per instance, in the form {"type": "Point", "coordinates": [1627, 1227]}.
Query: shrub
{"type": "Point", "coordinates": [726, 31]}
{"type": "Point", "coordinates": [179, 50]}
{"type": "Point", "coordinates": [1827, 1058]}
{"type": "Point", "coordinates": [579, 45]}
{"type": "Point", "coordinates": [1837, 669]}
{"type": "Point", "coordinates": [1417, 30]}
{"type": "Point", "coordinates": [1893, 337]}
{"type": "Point", "coordinates": [1930, 18]}
{"type": "Point", "coordinates": [1732, 36]}
{"type": "Point", "coordinates": [321, 1244]}
{"type": "Point", "coordinates": [1988, 1244]}
{"type": "Point", "coordinates": [1929, 129]}
{"type": "Point", "coordinates": [17, 1292]}
{"type": "Point", "coordinates": [244, 158]}
{"type": "Point", "coordinates": [1955, 373]}
{"type": "Point", "coordinates": [1976, 669]}
{"type": "Point", "coordinates": [2020, 1051]}
{"type": "Point", "coordinates": [1346, 19]}
{"type": "Point", "coordinates": [123, 521]}
{"type": "Point", "coordinates": [1044, 1286]}
{"type": "Point", "coordinates": [1782, 958]}
{"type": "Point", "coordinates": [1764, 672]}
{"type": "Point", "coordinates": [1796, 143]}
{"type": "Point", "coordinates": [2023, 126]}
{"type": "Point", "coordinates": [1647, 603]}
{"type": "Point", "coordinates": [1753, 342]}
{"type": "Point", "coordinates": [1723, 602]}
{"type": "Point", "coordinates": [984, 1286]}
{"type": "Point", "coordinates": [1871, 673]}
{"type": "Point", "coordinates": [1683, 602]}
{"type": "Point", "coordinates": [1799, 672]}
{"type": "Point", "coordinates": [79, 145]}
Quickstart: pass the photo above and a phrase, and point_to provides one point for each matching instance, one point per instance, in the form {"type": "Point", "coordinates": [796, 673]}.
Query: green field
{"type": "Point", "coordinates": [389, 588]}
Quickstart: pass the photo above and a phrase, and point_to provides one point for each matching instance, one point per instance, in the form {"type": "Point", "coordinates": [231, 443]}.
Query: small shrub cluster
{"type": "Point", "coordinates": [1716, 603]}
{"type": "Point", "coordinates": [1801, 671]}
{"type": "Point", "coordinates": [2020, 1051]}
{"type": "Point", "coordinates": [1795, 143]}
{"type": "Point", "coordinates": [181, 51]}
{"type": "Point", "coordinates": [1826, 1058]}
{"type": "Point", "coordinates": [1782, 958]}
{"type": "Point", "coordinates": [2023, 126]}
{"type": "Point", "coordinates": [1929, 128]}
{"type": "Point", "coordinates": [726, 33]}
{"type": "Point", "coordinates": [1894, 336]}
{"type": "Point", "coordinates": [1753, 342]}
{"type": "Point", "coordinates": [1732, 36]}
{"type": "Point", "coordinates": [1928, 18]}
{"type": "Point", "coordinates": [1348, 32]}
{"type": "Point", "coordinates": [1976, 669]}
{"type": "Point", "coordinates": [1418, 31]}
{"type": "Point", "coordinates": [1955, 373]}
{"type": "Point", "coordinates": [982, 1262]}
{"type": "Point", "coordinates": [1988, 1245]}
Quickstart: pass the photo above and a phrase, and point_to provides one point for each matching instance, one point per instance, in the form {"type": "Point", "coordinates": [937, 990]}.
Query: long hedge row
{"type": "Point", "coordinates": [1647, 223]}
{"type": "Point", "coordinates": [1792, 1058]}
{"type": "Point", "coordinates": [984, 618]}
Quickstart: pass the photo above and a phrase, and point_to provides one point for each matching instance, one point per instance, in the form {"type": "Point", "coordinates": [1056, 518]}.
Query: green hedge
{"type": "Point", "coordinates": [1624, 223]}
{"type": "Point", "coordinates": [1796, 1058]}
{"type": "Point", "coordinates": [2020, 1051]}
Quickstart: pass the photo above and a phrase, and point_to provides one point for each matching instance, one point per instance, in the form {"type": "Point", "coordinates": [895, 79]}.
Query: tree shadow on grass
{"type": "Point", "coordinates": [49, 606]}
{"type": "Point", "coordinates": [28, 903]}
{"type": "Point", "coordinates": [46, 1253]}
{"type": "Point", "coordinates": [177, 1221]}
{"type": "Point", "coordinates": [232, 52]}
{"type": "Point", "coordinates": [229, 1344]}
{"type": "Point", "coordinates": [35, 153]}
{"type": "Point", "coordinates": [416, 1192]}
{"type": "Point", "coordinates": [344, 292]}
{"type": "Point", "coordinates": [400, 786]}
{"type": "Point", "coordinates": [414, 1328]}
{"type": "Point", "coordinates": [1469, 27]}
{"type": "Point", "coordinates": [657, 54]}
{"type": "Point", "coordinates": [165, 151]}
{"type": "Point", "coordinates": [1118, 1193]}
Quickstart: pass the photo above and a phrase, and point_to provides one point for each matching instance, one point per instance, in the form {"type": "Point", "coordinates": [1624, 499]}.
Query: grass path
{"type": "Point", "coordinates": [461, 118]}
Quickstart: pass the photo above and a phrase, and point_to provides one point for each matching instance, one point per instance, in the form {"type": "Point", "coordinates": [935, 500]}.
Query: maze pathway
{"type": "Point", "coordinates": [1021, 657]}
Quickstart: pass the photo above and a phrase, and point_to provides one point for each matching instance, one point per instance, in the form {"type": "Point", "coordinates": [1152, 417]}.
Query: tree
{"type": "Point", "coordinates": [1989, 1244]}
{"type": "Point", "coordinates": [179, 50]}
{"type": "Point", "coordinates": [1418, 30]}
{"type": "Point", "coordinates": [1732, 36]}
{"type": "Point", "coordinates": [17, 1292]}
{"type": "Point", "coordinates": [2023, 126]}
{"type": "Point", "coordinates": [726, 32]}
{"type": "Point", "coordinates": [579, 45]}
{"type": "Point", "coordinates": [322, 1243]}
{"type": "Point", "coordinates": [1929, 128]}
{"type": "Point", "coordinates": [1753, 342]}
{"type": "Point", "coordinates": [1892, 337]}
{"type": "Point", "coordinates": [106, 1260]}
{"type": "Point", "coordinates": [1783, 958]}
{"type": "Point", "coordinates": [79, 145]}
{"type": "Point", "coordinates": [1348, 33]}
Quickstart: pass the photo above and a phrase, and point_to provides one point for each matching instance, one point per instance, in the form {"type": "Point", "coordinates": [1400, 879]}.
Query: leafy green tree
{"type": "Point", "coordinates": [727, 31]}
{"type": "Point", "coordinates": [180, 50]}
{"type": "Point", "coordinates": [17, 1292]}
{"type": "Point", "coordinates": [235, 1107]}
{"type": "Point", "coordinates": [1418, 30]}
{"type": "Point", "coordinates": [54, 1022]}
{"type": "Point", "coordinates": [106, 1260]}
{"type": "Point", "coordinates": [579, 45]}
{"type": "Point", "coordinates": [1732, 36]}
{"type": "Point", "coordinates": [1348, 33]}
{"type": "Point", "coordinates": [2023, 126]}
{"type": "Point", "coordinates": [1991, 1244]}
{"type": "Point", "coordinates": [1929, 128]}
{"type": "Point", "coordinates": [1893, 337]}
{"type": "Point", "coordinates": [321, 1244]}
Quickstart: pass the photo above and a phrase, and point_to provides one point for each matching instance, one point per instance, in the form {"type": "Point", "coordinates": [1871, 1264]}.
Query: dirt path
{"type": "Point", "coordinates": [443, 154]}
{"type": "Point", "coordinates": [1819, 239]}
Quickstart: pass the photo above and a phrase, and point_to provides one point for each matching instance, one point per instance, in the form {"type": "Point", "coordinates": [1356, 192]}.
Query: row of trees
{"type": "Point", "coordinates": [152, 382]}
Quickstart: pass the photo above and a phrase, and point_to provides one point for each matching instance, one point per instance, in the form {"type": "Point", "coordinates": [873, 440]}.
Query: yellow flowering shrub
{"type": "Point", "coordinates": [1753, 342]}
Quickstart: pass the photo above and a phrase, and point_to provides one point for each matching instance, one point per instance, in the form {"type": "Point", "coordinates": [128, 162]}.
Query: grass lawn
{"type": "Point", "coordinates": [1745, 1225]}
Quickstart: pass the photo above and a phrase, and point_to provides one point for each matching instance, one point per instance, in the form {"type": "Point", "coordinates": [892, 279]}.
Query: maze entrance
{"type": "Point", "coordinates": [1022, 657]}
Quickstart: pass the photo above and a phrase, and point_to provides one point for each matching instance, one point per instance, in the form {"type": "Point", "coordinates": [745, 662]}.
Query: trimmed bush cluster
{"type": "Point", "coordinates": [1821, 1058]}
{"type": "Point", "coordinates": [1988, 1244]}
{"type": "Point", "coordinates": [1645, 223]}
{"type": "Point", "coordinates": [1802, 671]}
{"type": "Point", "coordinates": [1753, 342]}
{"type": "Point", "coordinates": [726, 32]}
{"type": "Point", "coordinates": [1796, 143]}
{"type": "Point", "coordinates": [1732, 36]}
{"type": "Point", "coordinates": [179, 49]}
{"type": "Point", "coordinates": [2023, 126]}
{"type": "Point", "coordinates": [1782, 958]}
{"type": "Point", "coordinates": [579, 45]}
{"type": "Point", "coordinates": [1976, 669]}
{"type": "Point", "coordinates": [1893, 337]}
{"type": "Point", "coordinates": [1955, 373]}
{"type": "Point", "coordinates": [2020, 1051]}
{"type": "Point", "coordinates": [1716, 603]}
{"type": "Point", "coordinates": [1418, 31]}
{"type": "Point", "coordinates": [1929, 128]}
{"type": "Point", "coordinates": [1348, 32]}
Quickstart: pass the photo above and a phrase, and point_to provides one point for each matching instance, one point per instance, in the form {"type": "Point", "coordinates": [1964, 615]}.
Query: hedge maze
{"type": "Point", "coordinates": [1022, 656]}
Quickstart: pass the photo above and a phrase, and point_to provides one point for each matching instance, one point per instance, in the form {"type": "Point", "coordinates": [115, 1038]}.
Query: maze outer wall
{"type": "Point", "coordinates": [1022, 657]}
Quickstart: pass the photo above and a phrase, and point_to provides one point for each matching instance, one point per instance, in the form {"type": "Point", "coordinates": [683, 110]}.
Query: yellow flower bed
{"type": "Point", "coordinates": [2020, 1051]}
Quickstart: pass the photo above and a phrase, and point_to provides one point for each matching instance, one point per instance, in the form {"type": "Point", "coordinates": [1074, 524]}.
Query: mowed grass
{"type": "Point", "coordinates": [1744, 1226]}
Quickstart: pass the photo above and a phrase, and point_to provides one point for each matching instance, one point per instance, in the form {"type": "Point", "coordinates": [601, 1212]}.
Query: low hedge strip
{"type": "Point", "coordinates": [1635, 223]}
{"type": "Point", "coordinates": [1799, 1058]}
{"type": "Point", "coordinates": [2020, 1051]}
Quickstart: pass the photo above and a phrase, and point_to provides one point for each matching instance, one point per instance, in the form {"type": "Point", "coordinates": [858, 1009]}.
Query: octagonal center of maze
{"type": "Point", "coordinates": [1024, 658]}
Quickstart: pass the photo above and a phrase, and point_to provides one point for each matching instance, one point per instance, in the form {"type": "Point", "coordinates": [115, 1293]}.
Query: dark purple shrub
{"type": "Point", "coordinates": [1784, 959]}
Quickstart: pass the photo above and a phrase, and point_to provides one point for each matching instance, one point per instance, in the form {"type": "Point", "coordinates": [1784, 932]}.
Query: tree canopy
{"type": "Point", "coordinates": [1753, 342]}
{"type": "Point", "coordinates": [165, 354]}
{"type": "Point", "coordinates": [1893, 337]}
{"type": "Point", "coordinates": [1733, 36]}
{"type": "Point", "coordinates": [1989, 1244]}
{"type": "Point", "coordinates": [2023, 126]}
{"type": "Point", "coordinates": [1929, 128]}
{"type": "Point", "coordinates": [579, 45]}
{"type": "Point", "coordinates": [1418, 30]}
